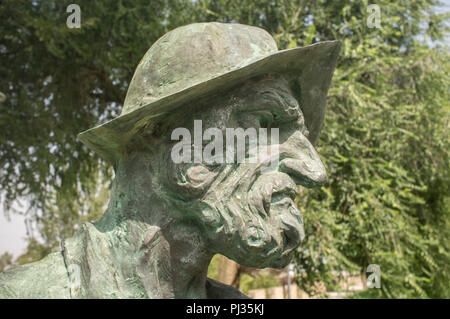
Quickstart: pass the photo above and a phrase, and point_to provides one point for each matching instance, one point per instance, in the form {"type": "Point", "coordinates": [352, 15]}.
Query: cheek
{"type": "Point", "coordinates": [199, 176]}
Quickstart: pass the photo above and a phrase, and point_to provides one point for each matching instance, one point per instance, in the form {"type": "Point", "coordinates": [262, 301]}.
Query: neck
{"type": "Point", "coordinates": [166, 262]}
{"type": "Point", "coordinates": [151, 248]}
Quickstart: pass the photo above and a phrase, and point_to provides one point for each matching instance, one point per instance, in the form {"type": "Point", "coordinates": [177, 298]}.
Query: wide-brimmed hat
{"type": "Point", "coordinates": [203, 58]}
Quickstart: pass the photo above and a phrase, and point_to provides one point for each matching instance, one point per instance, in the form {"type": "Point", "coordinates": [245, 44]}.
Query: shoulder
{"type": "Point", "coordinates": [218, 290]}
{"type": "Point", "coordinates": [46, 278]}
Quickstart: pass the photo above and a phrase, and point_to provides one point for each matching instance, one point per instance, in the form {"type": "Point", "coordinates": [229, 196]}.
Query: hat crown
{"type": "Point", "coordinates": [193, 54]}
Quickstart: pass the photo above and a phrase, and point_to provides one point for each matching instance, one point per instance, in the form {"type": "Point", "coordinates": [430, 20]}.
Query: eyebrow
{"type": "Point", "coordinates": [282, 103]}
{"type": "Point", "coordinates": [286, 99]}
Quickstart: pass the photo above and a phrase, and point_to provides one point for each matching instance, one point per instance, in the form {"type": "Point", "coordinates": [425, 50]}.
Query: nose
{"type": "Point", "coordinates": [301, 161]}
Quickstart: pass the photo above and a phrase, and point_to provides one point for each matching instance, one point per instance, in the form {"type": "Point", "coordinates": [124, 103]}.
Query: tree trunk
{"type": "Point", "coordinates": [228, 272]}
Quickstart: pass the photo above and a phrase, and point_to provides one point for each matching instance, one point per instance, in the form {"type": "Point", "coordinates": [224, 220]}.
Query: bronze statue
{"type": "Point", "coordinates": [167, 218]}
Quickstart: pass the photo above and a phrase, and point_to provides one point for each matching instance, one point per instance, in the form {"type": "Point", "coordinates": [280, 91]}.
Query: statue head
{"type": "Point", "coordinates": [184, 139]}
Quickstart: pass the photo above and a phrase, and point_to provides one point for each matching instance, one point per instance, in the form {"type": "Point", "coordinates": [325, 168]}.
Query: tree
{"type": "Point", "coordinates": [58, 82]}
{"type": "Point", "coordinates": [384, 140]}
{"type": "Point", "coordinates": [6, 261]}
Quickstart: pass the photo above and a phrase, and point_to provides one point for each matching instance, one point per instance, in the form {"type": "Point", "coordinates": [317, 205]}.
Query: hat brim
{"type": "Point", "coordinates": [310, 67]}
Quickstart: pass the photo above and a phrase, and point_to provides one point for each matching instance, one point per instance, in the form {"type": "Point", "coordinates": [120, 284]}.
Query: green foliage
{"type": "Point", "coordinates": [35, 251]}
{"type": "Point", "coordinates": [59, 82]}
{"type": "Point", "coordinates": [387, 199]}
{"type": "Point", "coordinates": [386, 147]}
{"type": "Point", "coordinates": [384, 140]}
{"type": "Point", "coordinates": [258, 281]}
{"type": "Point", "coordinates": [6, 260]}
{"type": "Point", "coordinates": [213, 268]}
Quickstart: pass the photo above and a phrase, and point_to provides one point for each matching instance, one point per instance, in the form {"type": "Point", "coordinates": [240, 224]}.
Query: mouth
{"type": "Point", "coordinates": [291, 223]}
{"type": "Point", "coordinates": [280, 189]}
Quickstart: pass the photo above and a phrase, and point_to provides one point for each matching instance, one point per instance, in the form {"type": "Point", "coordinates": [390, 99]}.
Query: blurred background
{"type": "Point", "coordinates": [385, 139]}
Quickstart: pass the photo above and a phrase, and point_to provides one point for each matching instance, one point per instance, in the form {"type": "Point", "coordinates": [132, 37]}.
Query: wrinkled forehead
{"type": "Point", "coordinates": [240, 106]}
{"type": "Point", "coordinates": [272, 91]}
{"type": "Point", "coordinates": [266, 93]}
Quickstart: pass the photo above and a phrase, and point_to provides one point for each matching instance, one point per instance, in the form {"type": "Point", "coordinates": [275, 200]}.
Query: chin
{"type": "Point", "coordinates": [283, 261]}
{"type": "Point", "coordinates": [272, 251]}
{"type": "Point", "coordinates": [260, 261]}
{"type": "Point", "coordinates": [261, 230]}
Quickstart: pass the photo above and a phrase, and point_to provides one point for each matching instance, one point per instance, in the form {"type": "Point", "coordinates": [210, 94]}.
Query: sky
{"type": "Point", "coordinates": [13, 232]}
{"type": "Point", "coordinates": [12, 235]}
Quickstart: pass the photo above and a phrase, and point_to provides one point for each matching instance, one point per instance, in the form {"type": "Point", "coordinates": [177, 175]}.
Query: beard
{"type": "Point", "coordinates": [251, 217]}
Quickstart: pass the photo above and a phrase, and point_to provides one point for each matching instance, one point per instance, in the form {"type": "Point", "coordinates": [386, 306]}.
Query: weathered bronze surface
{"type": "Point", "coordinates": [165, 221]}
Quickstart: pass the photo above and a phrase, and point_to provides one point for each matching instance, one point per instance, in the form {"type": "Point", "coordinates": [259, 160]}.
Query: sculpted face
{"type": "Point", "coordinates": [246, 212]}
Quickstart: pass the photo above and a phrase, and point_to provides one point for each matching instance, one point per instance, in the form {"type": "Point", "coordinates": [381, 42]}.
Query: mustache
{"type": "Point", "coordinates": [256, 210]}
{"type": "Point", "coordinates": [250, 185]}
{"type": "Point", "coordinates": [269, 188]}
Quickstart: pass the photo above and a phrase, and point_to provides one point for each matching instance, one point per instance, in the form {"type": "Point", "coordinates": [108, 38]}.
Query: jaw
{"type": "Point", "coordinates": [249, 257]}
{"type": "Point", "coordinates": [252, 219]}
{"type": "Point", "coordinates": [258, 242]}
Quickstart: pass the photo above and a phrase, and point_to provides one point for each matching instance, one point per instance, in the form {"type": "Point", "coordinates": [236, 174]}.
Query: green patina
{"type": "Point", "coordinates": [165, 221]}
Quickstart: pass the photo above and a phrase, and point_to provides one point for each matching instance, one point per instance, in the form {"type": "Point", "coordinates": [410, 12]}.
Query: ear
{"type": "Point", "coordinates": [190, 181]}
{"type": "Point", "coordinates": [198, 179]}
